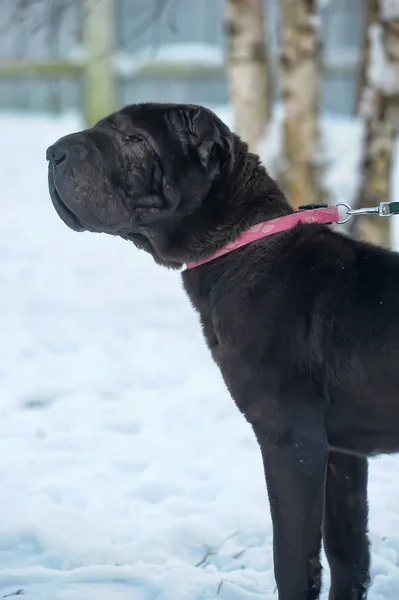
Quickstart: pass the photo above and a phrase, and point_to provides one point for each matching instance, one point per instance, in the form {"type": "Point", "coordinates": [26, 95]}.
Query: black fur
{"type": "Point", "coordinates": [304, 325]}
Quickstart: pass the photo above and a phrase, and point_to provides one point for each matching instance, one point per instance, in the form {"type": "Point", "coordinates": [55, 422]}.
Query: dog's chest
{"type": "Point", "coordinates": [239, 342]}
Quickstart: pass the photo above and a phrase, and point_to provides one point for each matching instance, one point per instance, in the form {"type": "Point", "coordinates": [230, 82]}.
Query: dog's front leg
{"type": "Point", "coordinates": [295, 458]}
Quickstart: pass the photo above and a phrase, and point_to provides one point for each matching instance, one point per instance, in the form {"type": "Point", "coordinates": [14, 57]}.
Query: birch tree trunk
{"type": "Point", "coordinates": [380, 110]}
{"type": "Point", "coordinates": [248, 69]}
{"type": "Point", "coordinates": [300, 88]}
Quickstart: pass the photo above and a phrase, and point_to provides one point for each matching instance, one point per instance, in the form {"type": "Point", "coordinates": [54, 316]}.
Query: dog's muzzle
{"type": "Point", "coordinates": [59, 156]}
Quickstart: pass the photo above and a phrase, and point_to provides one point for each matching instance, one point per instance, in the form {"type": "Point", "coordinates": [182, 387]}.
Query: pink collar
{"type": "Point", "coordinates": [256, 232]}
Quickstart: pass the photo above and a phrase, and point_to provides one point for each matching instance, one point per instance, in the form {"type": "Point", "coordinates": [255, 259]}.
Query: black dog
{"type": "Point", "coordinates": [304, 324]}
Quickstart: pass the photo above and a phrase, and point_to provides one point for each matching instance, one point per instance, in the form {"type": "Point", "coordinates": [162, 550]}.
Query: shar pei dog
{"type": "Point", "coordinates": [303, 323]}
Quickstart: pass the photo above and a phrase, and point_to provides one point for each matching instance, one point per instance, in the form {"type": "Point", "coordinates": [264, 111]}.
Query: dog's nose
{"type": "Point", "coordinates": [57, 153]}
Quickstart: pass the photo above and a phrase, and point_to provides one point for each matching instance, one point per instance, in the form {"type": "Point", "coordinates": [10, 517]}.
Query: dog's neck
{"type": "Point", "coordinates": [243, 197]}
{"type": "Point", "coordinates": [253, 196]}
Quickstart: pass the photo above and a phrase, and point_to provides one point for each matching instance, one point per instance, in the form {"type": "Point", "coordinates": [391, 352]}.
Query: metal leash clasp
{"type": "Point", "coordinates": [382, 210]}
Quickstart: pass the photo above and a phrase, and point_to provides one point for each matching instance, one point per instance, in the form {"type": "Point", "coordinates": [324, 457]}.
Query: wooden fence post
{"type": "Point", "coordinates": [98, 75]}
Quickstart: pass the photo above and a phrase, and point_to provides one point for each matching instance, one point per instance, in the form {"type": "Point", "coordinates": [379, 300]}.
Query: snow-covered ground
{"type": "Point", "coordinates": [126, 471]}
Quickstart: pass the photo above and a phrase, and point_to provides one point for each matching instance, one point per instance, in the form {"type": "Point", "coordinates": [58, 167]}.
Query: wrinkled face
{"type": "Point", "coordinates": [139, 172]}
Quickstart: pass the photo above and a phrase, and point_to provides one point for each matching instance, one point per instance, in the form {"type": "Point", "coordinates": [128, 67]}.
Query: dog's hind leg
{"type": "Point", "coordinates": [345, 526]}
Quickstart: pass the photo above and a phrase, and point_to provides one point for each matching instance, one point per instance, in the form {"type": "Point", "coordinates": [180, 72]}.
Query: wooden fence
{"type": "Point", "coordinates": [95, 69]}
{"type": "Point", "coordinates": [98, 67]}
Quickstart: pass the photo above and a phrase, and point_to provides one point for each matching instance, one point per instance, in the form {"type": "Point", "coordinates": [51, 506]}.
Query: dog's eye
{"type": "Point", "coordinates": [135, 137]}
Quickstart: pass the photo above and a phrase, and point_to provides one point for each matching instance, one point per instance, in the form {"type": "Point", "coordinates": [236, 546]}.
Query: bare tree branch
{"type": "Point", "coordinates": [213, 551]}
{"type": "Point", "coordinates": [16, 593]}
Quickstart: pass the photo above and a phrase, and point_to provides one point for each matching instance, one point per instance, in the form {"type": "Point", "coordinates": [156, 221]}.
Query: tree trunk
{"type": "Point", "coordinates": [98, 38]}
{"type": "Point", "coordinates": [380, 109]}
{"type": "Point", "coordinates": [370, 17]}
{"type": "Point", "coordinates": [248, 69]}
{"type": "Point", "coordinates": [300, 83]}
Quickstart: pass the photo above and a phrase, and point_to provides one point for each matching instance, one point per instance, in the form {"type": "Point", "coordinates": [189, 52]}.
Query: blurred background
{"type": "Point", "coordinates": [290, 61]}
{"type": "Point", "coordinates": [173, 50]}
{"type": "Point", "coordinates": [126, 470]}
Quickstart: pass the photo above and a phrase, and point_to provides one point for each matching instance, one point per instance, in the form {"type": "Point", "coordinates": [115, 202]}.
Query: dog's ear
{"type": "Point", "coordinates": [212, 139]}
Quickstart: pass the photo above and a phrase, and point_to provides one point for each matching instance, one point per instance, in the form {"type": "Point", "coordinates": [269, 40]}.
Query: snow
{"type": "Point", "coordinates": [389, 9]}
{"type": "Point", "coordinates": [383, 74]}
{"type": "Point", "coordinates": [341, 141]}
{"type": "Point", "coordinates": [126, 471]}
{"type": "Point", "coordinates": [195, 55]}
{"type": "Point", "coordinates": [334, 58]}
{"type": "Point", "coordinates": [178, 55]}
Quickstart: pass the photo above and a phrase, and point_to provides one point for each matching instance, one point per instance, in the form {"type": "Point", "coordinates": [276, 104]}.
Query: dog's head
{"type": "Point", "coordinates": [144, 173]}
